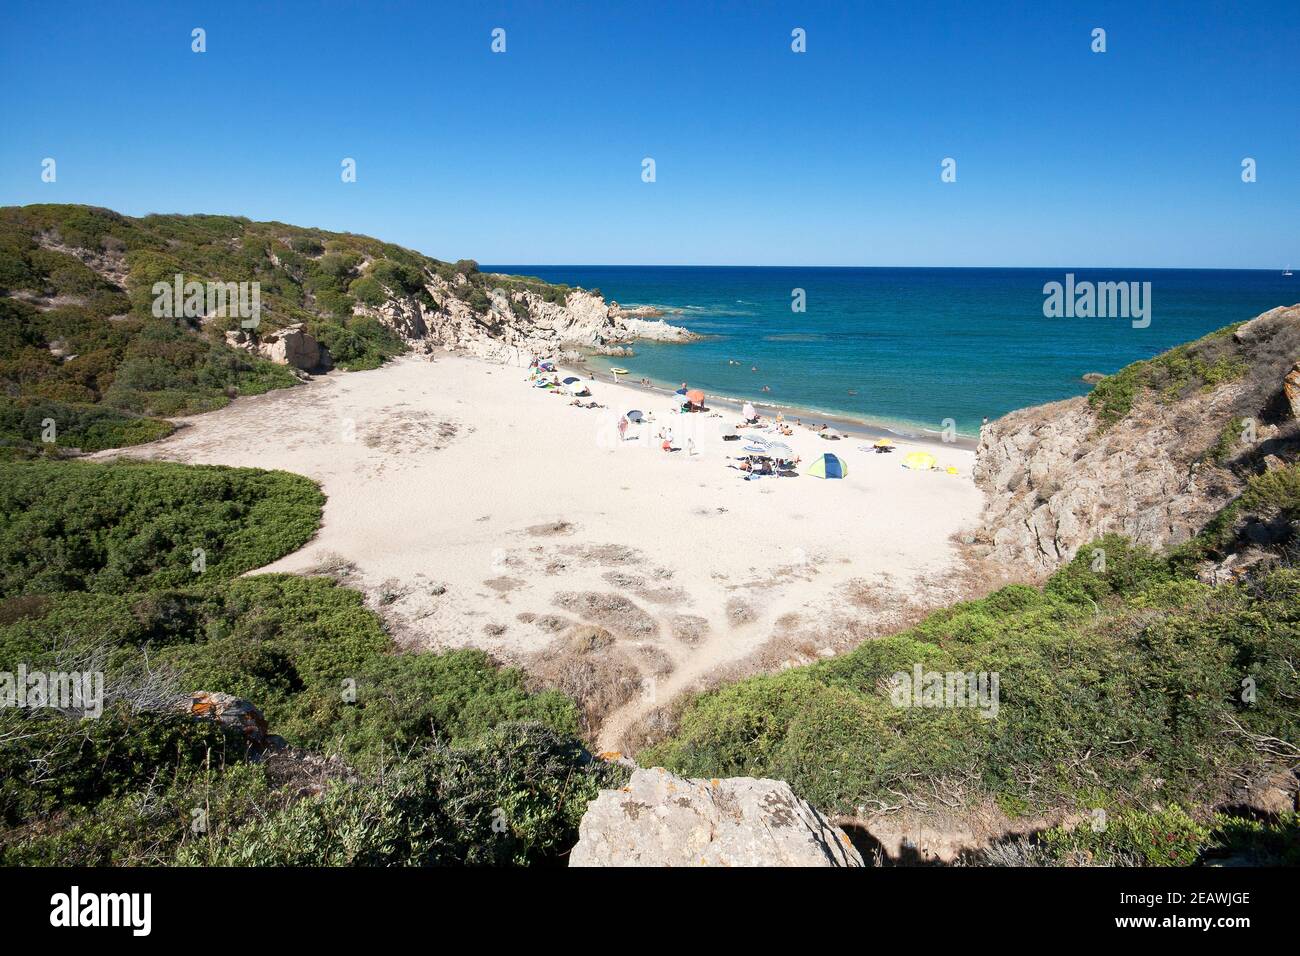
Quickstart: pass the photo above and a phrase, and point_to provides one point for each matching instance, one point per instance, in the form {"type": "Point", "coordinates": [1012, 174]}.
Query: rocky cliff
{"type": "Point", "coordinates": [512, 320]}
{"type": "Point", "coordinates": [1155, 452]}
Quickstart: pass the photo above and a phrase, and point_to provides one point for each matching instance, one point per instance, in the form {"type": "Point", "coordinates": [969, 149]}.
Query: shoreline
{"type": "Point", "coordinates": [850, 427]}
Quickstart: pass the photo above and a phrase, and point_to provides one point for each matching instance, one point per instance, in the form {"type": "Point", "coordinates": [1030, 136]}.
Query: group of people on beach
{"type": "Point", "coordinates": [545, 375]}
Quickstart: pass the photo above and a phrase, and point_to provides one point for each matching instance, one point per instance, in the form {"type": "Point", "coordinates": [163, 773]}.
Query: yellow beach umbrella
{"type": "Point", "coordinates": [919, 461]}
{"type": "Point", "coordinates": [885, 443]}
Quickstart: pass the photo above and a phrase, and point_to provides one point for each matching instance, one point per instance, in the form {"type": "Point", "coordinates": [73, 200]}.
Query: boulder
{"type": "Point", "coordinates": [294, 346]}
{"type": "Point", "coordinates": [1273, 794]}
{"type": "Point", "coordinates": [232, 712]}
{"type": "Point", "coordinates": [660, 819]}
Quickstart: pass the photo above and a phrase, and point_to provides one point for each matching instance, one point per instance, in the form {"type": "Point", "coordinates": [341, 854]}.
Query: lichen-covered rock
{"type": "Point", "coordinates": [660, 819]}
{"type": "Point", "coordinates": [234, 713]}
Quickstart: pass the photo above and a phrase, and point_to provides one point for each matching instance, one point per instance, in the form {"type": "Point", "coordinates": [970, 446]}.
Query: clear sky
{"type": "Point", "coordinates": [763, 156]}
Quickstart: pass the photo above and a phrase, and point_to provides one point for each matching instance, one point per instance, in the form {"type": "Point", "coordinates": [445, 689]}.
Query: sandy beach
{"type": "Point", "coordinates": [476, 510]}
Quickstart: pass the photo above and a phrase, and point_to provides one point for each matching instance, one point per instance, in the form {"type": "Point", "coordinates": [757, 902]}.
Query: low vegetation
{"type": "Point", "coordinates": [78, 526]}
{"type": "Point", "coordinates": [1170, 376]}
{"type": "Point", "coordinates": [390, 759]}
{"type": "Point", "coordinates": [1121, 688]}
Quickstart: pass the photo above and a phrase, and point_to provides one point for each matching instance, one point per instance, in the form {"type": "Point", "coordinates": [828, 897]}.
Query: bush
{"type": "Point", "coordinates": [513, 798]}
{"type": "Point", "coordinates": [132, 526]}
{"type": "Point", "coordinates": [1166, 837]}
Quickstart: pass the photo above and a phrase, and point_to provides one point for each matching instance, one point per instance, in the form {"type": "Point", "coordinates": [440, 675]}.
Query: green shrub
{"type": "Point", "coordinates": [1167, 837]}
{"type": "Point", "coordinates": [513, 798]}
{"type": "Point", "coordinates": [132, 526]}
{"type": "Point", "coordinates": [1129, 680]}
{"type": "Point", "coordinates": [1205, 363]}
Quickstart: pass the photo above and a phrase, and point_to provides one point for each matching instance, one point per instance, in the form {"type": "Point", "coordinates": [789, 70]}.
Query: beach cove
{"type": "Point", "coordinates": [475, 510]}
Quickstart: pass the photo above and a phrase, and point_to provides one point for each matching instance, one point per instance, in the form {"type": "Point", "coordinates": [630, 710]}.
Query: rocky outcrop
{"type": "Point", "coordinates": [1272, 794]}
{"type": "Point", "coordinates": [1057, 477]}
{"type": "Point", "coordinates": [660, 819]}
{"type": "Point", "coordinates": [1291, 391]}
{"type": "Point", "coordinates": [516, 323]}
{"type": "Point", "coordinates": [292, 345]}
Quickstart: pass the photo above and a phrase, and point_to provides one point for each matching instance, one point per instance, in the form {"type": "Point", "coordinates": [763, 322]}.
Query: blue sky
{"type": "Point", "coordinates": [1064, 157]}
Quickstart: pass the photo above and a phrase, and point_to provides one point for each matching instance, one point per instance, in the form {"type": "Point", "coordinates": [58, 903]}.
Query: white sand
{"type": "Point", "coordinates": [436, 472]}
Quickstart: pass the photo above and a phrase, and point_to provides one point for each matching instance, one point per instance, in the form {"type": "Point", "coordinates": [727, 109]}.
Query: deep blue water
{"type": "Point", "coordinates": [907, 347]}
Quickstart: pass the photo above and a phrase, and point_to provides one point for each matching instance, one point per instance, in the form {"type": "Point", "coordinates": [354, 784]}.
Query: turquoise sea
{"type": "Point", "coordinates": [907, 348]}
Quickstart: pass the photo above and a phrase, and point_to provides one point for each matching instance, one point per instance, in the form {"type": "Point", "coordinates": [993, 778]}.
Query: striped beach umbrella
{"type": "Point", "coordinates": [781, 451]}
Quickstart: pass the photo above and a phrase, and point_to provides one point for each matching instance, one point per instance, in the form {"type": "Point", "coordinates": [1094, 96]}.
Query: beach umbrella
{"type": "Point", "coordinates": [571, 379]}
{"type": "Point", "coordinates": [634, 415]}
{"type": "Point", "coordinates": [780, 450]}
{"type": "Point", "coordinates": [757, 450]}
{"type": "Point", "coordinates": [695, 396]}
{"type": "Point", "coordinates": [828, 466]}
{"type": "Point", "coordinates": [885, 443]}
{"type": "Point", "coordinates": [748, 411]}
{"type": "Point", "coordinates": [830, 433]}
{"type": "Point", "coordinates": [919, 461]}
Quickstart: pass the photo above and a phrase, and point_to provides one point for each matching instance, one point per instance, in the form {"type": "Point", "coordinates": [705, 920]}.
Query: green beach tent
{"type": "Point", "coordinates": [828, 466]}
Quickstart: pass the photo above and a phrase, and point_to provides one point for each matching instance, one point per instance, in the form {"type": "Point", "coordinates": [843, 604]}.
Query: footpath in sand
{"type": "Point", "coordinates": [475, 510]}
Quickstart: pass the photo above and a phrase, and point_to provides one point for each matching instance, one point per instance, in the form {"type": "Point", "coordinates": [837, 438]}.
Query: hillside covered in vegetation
{"type": "Point", "coordinates": [80, 345]}
{"type": "Point", "coordinates": [383, 758]}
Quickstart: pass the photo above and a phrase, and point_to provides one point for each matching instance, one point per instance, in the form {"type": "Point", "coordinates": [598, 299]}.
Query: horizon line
{"type": "Point", "coordinates": [692, 265]}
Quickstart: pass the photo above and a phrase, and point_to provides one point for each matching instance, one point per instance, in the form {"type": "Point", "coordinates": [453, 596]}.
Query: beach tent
{"type": "Point", "coordinates": [919, 461]}
{"type": "Point", "coordinates": [828, 466]}
{"type": "Point", "coordinates": [634, 415]}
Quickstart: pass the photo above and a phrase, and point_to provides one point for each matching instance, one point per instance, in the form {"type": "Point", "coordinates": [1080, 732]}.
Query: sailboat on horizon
{"type": "Point", "coordinates": [1286, 273]}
